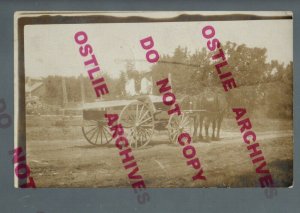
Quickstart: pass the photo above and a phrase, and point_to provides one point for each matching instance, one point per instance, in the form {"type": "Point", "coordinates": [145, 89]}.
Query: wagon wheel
{"type": "Point", "coordinates": [138, 123]}
{"type": "Point", "coordinates": [96, 132]}
{"type": "Point", "coordinates": [179, 124]}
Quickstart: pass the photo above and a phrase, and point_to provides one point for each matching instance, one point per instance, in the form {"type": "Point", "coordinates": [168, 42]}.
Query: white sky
{"type": "Point", "coordinates": [51, 49]}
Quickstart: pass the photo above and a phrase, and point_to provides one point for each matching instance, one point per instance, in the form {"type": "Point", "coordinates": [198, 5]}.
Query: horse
{"type": "Point", "coordinates": [209, 108]}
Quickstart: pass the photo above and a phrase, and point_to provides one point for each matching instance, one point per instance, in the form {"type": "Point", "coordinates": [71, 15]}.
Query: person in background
{"type": "Point", "coordinates": [130, 86]}
{"type": "Point", "coordinates": [146, 85]}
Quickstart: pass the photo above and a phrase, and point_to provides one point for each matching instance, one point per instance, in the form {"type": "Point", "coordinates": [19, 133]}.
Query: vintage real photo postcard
{"type": "Point", "coordinates": [153, 99]}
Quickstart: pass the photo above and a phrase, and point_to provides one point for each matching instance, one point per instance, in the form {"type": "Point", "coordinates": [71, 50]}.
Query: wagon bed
{"type": "Point", "coordinates": [139, 118]}
{"type": "Point", "coordinates": [118, 103]}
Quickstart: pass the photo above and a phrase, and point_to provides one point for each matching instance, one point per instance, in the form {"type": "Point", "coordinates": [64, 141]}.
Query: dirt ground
{"type": "Point", "coordinates": [59, 156]}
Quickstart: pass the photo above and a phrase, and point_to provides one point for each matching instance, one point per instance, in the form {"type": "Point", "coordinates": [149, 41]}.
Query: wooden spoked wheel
{"type": "Point", "coordinates": [96, 132]}
{"type": "Point", "coordinates": [138, 123]}
{"type": "Point", "coordinates": [179, 124]}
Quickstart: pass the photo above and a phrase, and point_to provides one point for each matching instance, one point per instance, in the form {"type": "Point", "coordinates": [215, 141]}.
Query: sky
{"type": "Point", "coordinates": [51, 49]}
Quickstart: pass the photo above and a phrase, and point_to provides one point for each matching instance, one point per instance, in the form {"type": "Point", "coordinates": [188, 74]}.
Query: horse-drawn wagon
{"type": "Point", "coordinates": [139, 117]}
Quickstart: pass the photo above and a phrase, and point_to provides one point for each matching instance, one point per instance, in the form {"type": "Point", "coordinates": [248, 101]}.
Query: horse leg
{"type": "Point", "coordinates": [220, 119]}
{"type": "Point", "coordinates": [196, 124]}
{"type": "Point", "coordinates": [207, 123]}
{"type": "Point", "coordinates": [213, 129]}
{"type": "Point", "coordinates": [201, 125]}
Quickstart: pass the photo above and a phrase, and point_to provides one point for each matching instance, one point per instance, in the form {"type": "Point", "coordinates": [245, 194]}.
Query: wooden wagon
{"type": "Point", "coordinates": [139, 118]}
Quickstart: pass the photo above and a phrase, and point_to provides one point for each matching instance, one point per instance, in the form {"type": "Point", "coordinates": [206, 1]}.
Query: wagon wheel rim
{"type": "Point", "coordinates": [179, 124]}
{"type": "Point", "coordinates": [138, 123]}
{"type": "Point", "coordinates": [96, 132]}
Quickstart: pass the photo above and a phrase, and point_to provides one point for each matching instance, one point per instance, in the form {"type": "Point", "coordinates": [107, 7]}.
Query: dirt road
{"type": "Point", "coordinates": [75, 163]}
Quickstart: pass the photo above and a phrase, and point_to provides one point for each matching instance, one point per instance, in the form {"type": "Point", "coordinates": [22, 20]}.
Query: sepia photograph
{"type": "Point", "coordinates": [155, 99]}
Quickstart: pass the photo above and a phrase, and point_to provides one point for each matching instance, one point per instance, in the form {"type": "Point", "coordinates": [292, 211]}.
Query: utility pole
{"type": "Point", "coordinates": [65, 95]}
{"type": "Point", "coordinates": [82, 90]}
{"type": "Point", "coordinates": [170, 81]}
